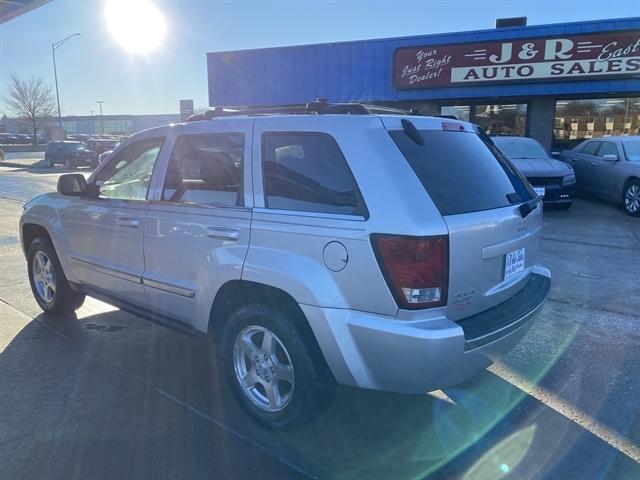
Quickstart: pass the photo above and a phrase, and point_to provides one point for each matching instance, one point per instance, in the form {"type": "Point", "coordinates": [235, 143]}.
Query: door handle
{"type": "Point", "coordinates": [128, 222]}
{"type": "Point", "coordinates": [595, 164]}
{"type": "Point", "coordinates": [223, 233]}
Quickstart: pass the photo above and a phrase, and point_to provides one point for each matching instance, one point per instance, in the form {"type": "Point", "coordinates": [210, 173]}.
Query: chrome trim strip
{"type": "Point", "coordinates": [130, 277]}
{"type": "Point", "coordinates": [502, 248]}
{"type": "Point", "coordinates": [303, 213]}
{"type": "Point", "coordinates": [183, 292]}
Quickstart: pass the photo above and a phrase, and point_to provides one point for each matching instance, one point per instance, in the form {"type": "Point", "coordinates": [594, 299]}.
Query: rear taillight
{"type": "Point", "coordinates": [415, 268]}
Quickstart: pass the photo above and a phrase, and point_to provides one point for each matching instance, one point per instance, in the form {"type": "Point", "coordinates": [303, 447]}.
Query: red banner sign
{"type": "Point", "coordinates": [575, 57]}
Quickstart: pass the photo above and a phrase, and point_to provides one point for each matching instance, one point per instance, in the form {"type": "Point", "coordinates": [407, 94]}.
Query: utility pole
{"type": "Point", "coordinates": [55, 71]}
{"type": "Point", "coordinates": [100, 102]}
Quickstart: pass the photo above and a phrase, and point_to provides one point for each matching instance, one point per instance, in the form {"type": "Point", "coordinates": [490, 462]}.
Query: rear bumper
{"type": "Point", "coordinates": [377, 352]}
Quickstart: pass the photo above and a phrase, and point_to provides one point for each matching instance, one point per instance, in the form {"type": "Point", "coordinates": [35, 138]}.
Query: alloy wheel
{"type": "Point", "coordinates": [263, 368]}
{"type": "Point", "coordinates": [632, 198]}
{"type": "Point", "coordinates": [44, 277]}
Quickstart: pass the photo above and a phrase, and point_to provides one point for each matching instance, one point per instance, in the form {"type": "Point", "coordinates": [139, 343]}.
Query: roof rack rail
{"type": "Point", "coordinates": [321, 106]}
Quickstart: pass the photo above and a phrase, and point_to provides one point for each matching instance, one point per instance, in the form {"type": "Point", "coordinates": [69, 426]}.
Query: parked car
{"type": "Point", "coordinates": [102, 145]}
{"type": "Point", "coordinates": [609, 168]}
{"type": "Point", "coordinates": [70, 154]}
{"type": "Point", "coordinates": [9, 139]}
{"type": "Point", "coordinates": [25, 138]}
{"type": "Point", "coordinates": [104, 155]}
{"type": "Point", "coordinates": [552, 179]}
{"type": "Point", "coordinates": [388, 252]}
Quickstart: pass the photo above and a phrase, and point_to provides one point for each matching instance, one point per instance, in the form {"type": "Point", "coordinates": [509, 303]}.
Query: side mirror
{"type": "Point", "coordinates": [610, 158]}
{"type": "Point", "coordinates": [75, 185]}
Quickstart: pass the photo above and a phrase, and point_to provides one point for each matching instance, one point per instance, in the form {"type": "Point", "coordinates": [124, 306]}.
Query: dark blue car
{"type": "Point", "coordinates": [70, 154]}
{"type": "Point", "coordinates": [552, 179]}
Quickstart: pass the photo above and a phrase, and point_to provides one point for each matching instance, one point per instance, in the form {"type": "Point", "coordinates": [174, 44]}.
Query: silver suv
{"type": "Point", "coordinates": [390, 252]}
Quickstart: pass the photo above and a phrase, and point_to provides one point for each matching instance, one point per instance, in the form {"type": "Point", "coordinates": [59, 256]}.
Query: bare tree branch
{"type": "Point", "coordinates": [30, 100]}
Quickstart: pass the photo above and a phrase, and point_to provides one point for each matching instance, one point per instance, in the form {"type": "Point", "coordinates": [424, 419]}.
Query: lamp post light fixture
{"type": "Point", "coordinates": [54, 46]}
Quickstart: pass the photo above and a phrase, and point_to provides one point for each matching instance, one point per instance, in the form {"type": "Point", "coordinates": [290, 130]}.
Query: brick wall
{"type": "Point", "coordinates": [540, 119]}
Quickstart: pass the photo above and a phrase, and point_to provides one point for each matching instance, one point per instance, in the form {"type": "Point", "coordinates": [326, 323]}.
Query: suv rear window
{"type": "Point", "coordinates": [306, 171]}
{"type": "Point", "coordinates": [461, 171]}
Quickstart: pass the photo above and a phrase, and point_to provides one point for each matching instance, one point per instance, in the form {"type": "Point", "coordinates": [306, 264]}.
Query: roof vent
{"type": "Point", "coordinates": [511, 22]}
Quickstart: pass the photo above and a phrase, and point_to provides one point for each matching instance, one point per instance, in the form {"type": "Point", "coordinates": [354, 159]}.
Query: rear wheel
{"type": "Point", "coordinates": [48, 282]}
{"type": "Point", "coordinates": [271, 369]}
{"type": "Point", "coordinates": [631, 198]}
{"type": "Point", "coordinates": [68, 163]}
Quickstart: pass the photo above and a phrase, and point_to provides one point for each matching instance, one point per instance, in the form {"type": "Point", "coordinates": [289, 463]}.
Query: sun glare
{"type": "Point", "coordinates": [138, 25]}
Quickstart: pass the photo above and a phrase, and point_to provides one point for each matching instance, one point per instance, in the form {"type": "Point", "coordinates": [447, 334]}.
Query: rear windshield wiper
{"type": "Point", "coordinates": [527, 207]}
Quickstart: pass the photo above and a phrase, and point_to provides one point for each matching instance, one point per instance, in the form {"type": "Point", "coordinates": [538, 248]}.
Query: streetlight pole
{"type": "Point", "coordinates": [100, 102]}
{"type": "Point", "coordinates": [55, 71]}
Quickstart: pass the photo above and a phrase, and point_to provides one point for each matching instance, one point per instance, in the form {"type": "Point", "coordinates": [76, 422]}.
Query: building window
{"type": "Point", "coordinates": [576, 120]}
{"type": "Point", "coordinates": [502, 119]}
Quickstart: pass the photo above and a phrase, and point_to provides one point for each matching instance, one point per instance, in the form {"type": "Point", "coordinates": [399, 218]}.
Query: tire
{"type": "Point", "coordinates": [48, 283]}
{"type": "Point", "coordinates": [631, 198]}
{"type": "Point", "coordinates": [47, 162]}
{"type": "Point", "coordinates": [305, 384]}
{"type": "Point", "coordinates": [68, 163]}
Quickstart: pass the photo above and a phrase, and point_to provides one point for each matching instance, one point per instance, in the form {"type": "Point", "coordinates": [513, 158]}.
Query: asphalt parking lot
{"type": "Point", "coordinates": [109, 395]}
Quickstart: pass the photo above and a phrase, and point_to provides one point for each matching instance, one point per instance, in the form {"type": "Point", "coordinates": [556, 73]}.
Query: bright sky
{"type": "Point", "coordinates": [96, 67]}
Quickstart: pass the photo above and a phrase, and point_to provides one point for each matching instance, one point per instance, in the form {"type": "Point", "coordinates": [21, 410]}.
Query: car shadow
{"type": "Point", "coordinates": [40, 168]}
{"type": "Point", "coordinates": [113, 373]}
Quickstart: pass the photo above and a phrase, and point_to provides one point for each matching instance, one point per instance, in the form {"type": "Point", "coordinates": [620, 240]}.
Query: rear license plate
{"type": "Point", "coordinates": [539, 191]}
{"type": "Point", "coordinates": [514, 263]}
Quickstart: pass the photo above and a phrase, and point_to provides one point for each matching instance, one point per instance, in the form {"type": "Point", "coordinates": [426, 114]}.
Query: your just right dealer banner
{"type": "Point", "coordinates": [574, 57]}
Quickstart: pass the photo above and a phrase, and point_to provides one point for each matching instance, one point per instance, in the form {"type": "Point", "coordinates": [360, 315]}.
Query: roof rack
{"type": "Point", "coordinates": [321, 106]}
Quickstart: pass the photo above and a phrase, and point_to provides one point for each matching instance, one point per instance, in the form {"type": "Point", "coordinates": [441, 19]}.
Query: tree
{"type": "Point", "coordinates": [30, 100]}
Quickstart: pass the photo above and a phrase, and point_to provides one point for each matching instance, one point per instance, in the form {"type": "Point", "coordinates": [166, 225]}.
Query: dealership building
{"type": "Point", "coordinates": [558, 83]}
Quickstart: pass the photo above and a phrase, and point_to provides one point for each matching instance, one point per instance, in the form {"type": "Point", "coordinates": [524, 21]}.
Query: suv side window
{"type": "Point", "coordinates": [206, 169]}
{"type": "Point", "coordinates": [307, 172]}
{"type": "Point", "coordinates": [128, 174]}
{"type": "Point", "coordinates": [590, 148]}
{"type": "Point", "coordinates": [608, 148]}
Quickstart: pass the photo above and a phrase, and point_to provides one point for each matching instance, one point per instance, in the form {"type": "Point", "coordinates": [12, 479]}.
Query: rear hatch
{"type": "Point", "coordinates": [484, 200]}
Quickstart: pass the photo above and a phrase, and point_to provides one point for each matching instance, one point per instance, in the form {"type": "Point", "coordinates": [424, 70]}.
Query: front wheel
{"type": "Point", "coordinates": [631, 198]}
{"type": "Point", "coordinates": [48, 282]}
{"type": "Point", "coordinates": [272, 370]}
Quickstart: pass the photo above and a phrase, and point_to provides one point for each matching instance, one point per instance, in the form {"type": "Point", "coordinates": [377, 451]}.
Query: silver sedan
{"type": "Point", "coordinates": [609, 167]}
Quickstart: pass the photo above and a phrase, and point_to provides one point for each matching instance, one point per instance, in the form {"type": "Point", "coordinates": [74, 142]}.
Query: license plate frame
{"type": "Point", "coordinates": [540, 191]}
{"type": "Point", "coordinates": [514, 262]}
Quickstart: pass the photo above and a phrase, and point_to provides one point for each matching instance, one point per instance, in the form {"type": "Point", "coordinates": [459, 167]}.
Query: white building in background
{"type": "Point", "coordinates": [94, 124]}
{"type": "Point", "coordinates": [116, 124]}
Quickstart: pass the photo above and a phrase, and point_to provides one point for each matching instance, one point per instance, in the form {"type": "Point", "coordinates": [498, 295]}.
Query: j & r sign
{"type": "Point", "coordinates": [574, 57]}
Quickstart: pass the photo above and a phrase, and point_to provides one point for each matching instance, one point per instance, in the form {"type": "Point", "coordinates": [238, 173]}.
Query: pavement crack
{"type": "Point", "coordinates": [590, 244]}
{"type": "Point", "coordinates": [591, 307]}
{"type": "Point", "coordinates": [12, 199]}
